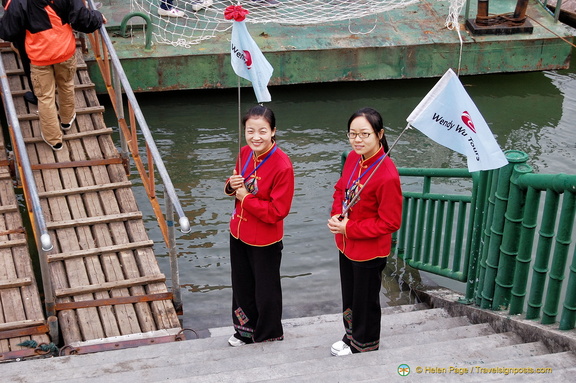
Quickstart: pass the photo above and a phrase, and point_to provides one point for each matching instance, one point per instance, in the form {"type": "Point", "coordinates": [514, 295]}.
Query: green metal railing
{"type": "Point", "coordinates": [510, 239]}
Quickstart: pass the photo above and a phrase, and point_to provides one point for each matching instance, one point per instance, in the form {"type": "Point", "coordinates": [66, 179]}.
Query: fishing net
{"type": "Point", "coordinates": [202, 24]}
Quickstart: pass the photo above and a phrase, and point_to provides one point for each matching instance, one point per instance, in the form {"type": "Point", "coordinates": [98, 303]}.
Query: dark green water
{"type": "Point", "coordinates": [197, 135]}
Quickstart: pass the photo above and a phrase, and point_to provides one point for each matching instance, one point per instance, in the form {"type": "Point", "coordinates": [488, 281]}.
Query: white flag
{"type": "Point", "coordinates": [448, 116]}
{"type": "Point", "coordinates": [248, 61]}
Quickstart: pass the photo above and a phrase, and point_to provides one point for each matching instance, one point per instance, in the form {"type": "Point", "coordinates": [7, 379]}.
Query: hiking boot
{"type": "Point", "coordinates": [31, 98]}
{"type": "Point", "coordinates": [200, 4]}
{"type": "Point", "coordinates": [68, 125]}
{"type": "Point", "coordinates": [172, 12]}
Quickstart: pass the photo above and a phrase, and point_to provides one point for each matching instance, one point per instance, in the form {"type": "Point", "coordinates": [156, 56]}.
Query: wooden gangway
{"type": "Point", "coordinates": [108, 288]}
{"type": "Point", "coordinates": [21, 315]}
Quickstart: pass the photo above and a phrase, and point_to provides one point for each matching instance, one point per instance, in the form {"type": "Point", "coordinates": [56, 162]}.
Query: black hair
{"type": "Point", "coordinates": [375, 120]}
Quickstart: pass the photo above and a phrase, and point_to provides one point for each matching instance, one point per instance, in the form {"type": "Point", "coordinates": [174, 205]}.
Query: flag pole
{"type": "Point", "coordinates": [341, 217]}
{"type": "Point", "coordinates": [239, 126]}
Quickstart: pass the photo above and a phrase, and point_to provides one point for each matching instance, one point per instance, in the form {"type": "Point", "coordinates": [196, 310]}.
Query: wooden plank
{"type": "Point", "coordinates": [110, 285]}
{"type": "Point", "coordinates": [20, 324]}
{"type": "Point", "coordinates": [15, 282]}
{"type": "Point", "coordinates": [91, 213]}
{"type": "Point", "coordinates": [13, 243]}
{"type": "Point", "coordinates": [115, 301]}
{"type": "Point", "coordinates": [78, 164]}
{"type": "Point", "coordinates": [93, 220]}
{"type": "Point", "coordinates": [72, 136]}
{"type": "Point", "coordinates": [100, 250]}
{"type": "Point", "coordinates": [8, 208]}
{"type": "Point", "coordinates": [22, 332]}
{"type": "Point", "coordinates": [86, 189]}
{"type": "Point", "coordinates": [79, 111]}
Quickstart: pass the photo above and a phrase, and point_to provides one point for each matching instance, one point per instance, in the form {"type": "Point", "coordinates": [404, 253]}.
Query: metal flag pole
{"type": "Point", "coordinates": [239, 125]}
{"type": "Point", "coordinates": [343, 214]}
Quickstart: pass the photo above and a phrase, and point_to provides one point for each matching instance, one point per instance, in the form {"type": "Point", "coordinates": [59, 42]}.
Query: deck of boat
{"type": "Point", "coordinates": [21, 315]}
{"type": "Point", "coordinates": [410, 42]}
{"type": "Point", "coordinates": [107, 284]}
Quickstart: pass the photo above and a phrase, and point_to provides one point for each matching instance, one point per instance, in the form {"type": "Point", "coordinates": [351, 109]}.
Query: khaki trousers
{"type": "Point", "coordinates": [46, 79]}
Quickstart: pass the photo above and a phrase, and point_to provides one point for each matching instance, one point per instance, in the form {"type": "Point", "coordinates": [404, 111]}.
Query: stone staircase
{"type": "Point", "coordinates": [443, 346]}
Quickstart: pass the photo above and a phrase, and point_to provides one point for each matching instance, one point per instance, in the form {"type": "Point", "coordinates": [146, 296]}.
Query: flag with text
{"type": "Point", "coordinates": [449, 116]}
{"type": "Point", "coordinates": [248, 61]}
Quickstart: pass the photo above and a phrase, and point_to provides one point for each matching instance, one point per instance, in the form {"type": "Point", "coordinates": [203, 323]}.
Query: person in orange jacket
{"type": "Point", "coordinates": [363, 228]}
{"type": "Point", "coordinates": [263, 187]}
{"type": "Point", "coordinates": [49, 41]}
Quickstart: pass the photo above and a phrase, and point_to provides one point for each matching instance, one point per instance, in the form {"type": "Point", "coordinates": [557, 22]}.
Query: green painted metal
{"type": "Point", "coordinates": [568, 319]}
{"type": "Point", "coordinates": [546, 236]}
{"type": "Point", "coordinates": [486, 234]}
{"type": "Point", "coordinates": [524, 258]}
{"type": "Point", "coordinates": [566, 223]}
{"type": "Point", "coordinates": [496, 233]}
{"type": "Point", "coordinates": [490, 246]}
{"type": "Point", "coordinates": [479, 200]}
{"type": "Point", "coordinates": [411, 42]}
{"type": "Point", "coordinates": [124, 23]}
{"type": "Point", "coordinates": [435, 219]}
{"type": "Point", "coordinates": [510, 243]}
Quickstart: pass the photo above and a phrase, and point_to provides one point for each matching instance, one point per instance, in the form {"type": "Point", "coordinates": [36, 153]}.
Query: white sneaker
{"type": "Point", "coordinates": [340, 349]}
{"type": "Point", "coordinates": [173, 12]}
{"type": "Point", "coordinates": [68, 125]}
{"type": "Point", "coordinates": [235, 342]}
{"type": "Point", "coordinates": [200, 4]}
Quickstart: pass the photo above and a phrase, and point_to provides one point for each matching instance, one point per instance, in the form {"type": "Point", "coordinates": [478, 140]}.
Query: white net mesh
{"type": "Point", "coordinates": [203, 19]}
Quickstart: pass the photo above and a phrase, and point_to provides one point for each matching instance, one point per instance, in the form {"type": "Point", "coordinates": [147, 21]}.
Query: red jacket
{"type": "Point", "coordinates": [258, 219]}
{"type": "Point", "coordinates": [378, 211]}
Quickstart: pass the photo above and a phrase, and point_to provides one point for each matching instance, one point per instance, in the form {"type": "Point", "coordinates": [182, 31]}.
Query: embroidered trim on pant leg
{"type": "Point", "coordinates": [364, 347]}
{"type": "Point", "coordinates": [241, 316]}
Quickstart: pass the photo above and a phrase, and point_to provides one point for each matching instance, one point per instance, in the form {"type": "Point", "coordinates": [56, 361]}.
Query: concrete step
{"type": "Point", "coordinates": [411, 335]}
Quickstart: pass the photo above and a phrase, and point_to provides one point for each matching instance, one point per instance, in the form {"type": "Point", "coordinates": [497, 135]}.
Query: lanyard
{"type": "Point", "coordinates": [260, 164]}
{"type": "Point", "coordinates": [364, 173]}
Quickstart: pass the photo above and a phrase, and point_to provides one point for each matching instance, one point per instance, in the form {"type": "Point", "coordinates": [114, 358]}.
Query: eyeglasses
{"type": "Point", "coordinates": [353, 135]}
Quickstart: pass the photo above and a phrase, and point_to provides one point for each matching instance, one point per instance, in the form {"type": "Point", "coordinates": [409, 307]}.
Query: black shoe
{"type": "Point", "coordinates": [31, 98]}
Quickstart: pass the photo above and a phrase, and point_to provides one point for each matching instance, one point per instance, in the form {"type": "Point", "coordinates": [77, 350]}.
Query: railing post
{"type": "Point", "coordinates": [568, 319]}
{"type": "Point", "coordinates": [497, 227]}
{"type": "Point", "coordinates": [565, 225]}
{"type": "Point", "coordinates": [491, 182]}
{"type": "Point", "coordinates": [542, 255]}
{"type": "Point", "coordinates": [174, 269]}
{"type": "Point", "coordinates": [510, 243]}
{"type": "Point", "coordinates": [524, 258]}
{"type": "Point", "coordinates": [479, 193]}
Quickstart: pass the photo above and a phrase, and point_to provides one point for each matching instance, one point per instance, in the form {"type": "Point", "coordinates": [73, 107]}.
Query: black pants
{"type": "Point", "coordinates": [361, 283]}
{"type": "Point", "coordinates": [256, 291]}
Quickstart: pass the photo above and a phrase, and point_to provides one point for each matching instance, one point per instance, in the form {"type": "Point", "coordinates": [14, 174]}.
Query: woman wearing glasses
{"type": "Point", "coordinates": [263, 185]}
{"type": "Point", "coordinates": [363, 225]}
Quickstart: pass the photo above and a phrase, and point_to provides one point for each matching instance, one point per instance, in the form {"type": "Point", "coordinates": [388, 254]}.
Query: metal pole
{"type": "Point", "coordinates": [177, 297]}
{"type": "Point", "coordinates": [170, 191]}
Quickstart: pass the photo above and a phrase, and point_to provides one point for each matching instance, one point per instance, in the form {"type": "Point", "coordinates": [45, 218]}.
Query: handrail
{"type": "Point", "coordinates": [30, 190]}
{"type": "Point", "coordinates": [24, 161]}
{"type": "Point", "coordinates": [109, 64]}
{"type": "Point", "coordinates": [108, 53]}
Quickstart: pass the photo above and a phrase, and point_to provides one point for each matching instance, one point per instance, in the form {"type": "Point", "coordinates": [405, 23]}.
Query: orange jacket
{"type": "Point", "coordinates": [48, 27]}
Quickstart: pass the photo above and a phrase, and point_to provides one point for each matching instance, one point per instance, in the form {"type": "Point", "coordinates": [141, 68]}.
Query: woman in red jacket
{"type": "Point", "coordinates": [364, 234]}
{"type": "Point", "coordinates": [263, 185]}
